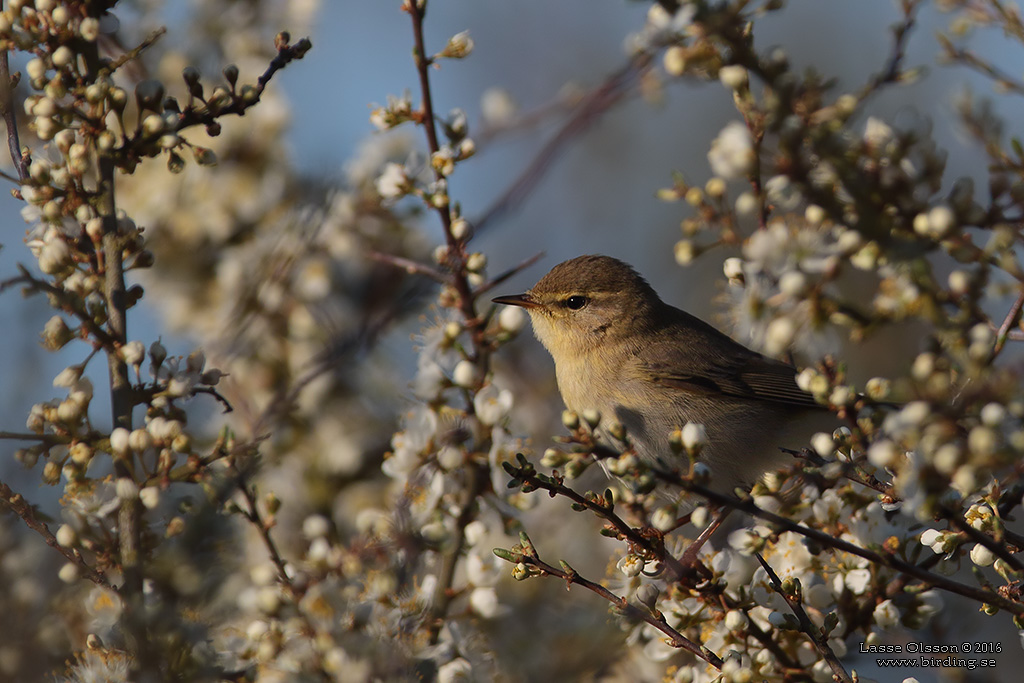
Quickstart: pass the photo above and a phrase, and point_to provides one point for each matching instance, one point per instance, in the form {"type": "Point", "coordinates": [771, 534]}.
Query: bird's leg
{"type": "Point", "coordinates": [689, 558]}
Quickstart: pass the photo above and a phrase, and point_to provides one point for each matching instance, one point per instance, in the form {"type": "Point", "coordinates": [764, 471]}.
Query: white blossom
{"type": "Point", "coordinates": [456, 671]}
{"type": "Point", "coordinates": [484, 602]}
{"type": "Point", "coordinates": [492, 404]}
{"type": "Point", "coordinates": [393, 182]}
{"type": "Point", "coordinates": [982, 556]}
{"type": "Point", "coordinates": [886, 615]}
{"type": "Point", "coordinates": [732, 152]}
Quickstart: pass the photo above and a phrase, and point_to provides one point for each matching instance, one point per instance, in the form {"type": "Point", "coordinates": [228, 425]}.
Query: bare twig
{"type": "Point", "coordinates": [32, 436]}
{"type": "Point", "coordinates": [893, 68]}
{"type": "Point", "coordinates": [981, 66]}
{"type": "Point", "coordinates": [487, 133]}
{"type": "Point", "coordinates": [589, 110]}
{"type": "Point", "coordinates": [216, 394]}
{"type": "Point", "coordinates": [409, 266]}
{"type": "Point", "coordinates": [498, 279]}
{"type": "Point", "coordinates": [136, 51]}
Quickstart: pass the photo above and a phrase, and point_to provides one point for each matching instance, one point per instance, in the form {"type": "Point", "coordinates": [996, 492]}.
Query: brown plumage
{"type": "Point", "coordinates": [619, 349]}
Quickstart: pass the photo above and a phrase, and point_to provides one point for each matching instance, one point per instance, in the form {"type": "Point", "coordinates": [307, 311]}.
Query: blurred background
{"type": "Point", "coordinates": [597, 194]}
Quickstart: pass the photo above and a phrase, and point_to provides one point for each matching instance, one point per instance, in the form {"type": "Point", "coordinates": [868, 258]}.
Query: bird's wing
{"type": "Point", "coordinates": [714, 364]}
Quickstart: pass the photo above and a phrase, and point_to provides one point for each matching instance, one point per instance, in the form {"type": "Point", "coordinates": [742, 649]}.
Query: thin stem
{"type": "Point", "coordinates": [657, 620]}
{"type": "Point", "coordinates": [418, 11]}
{"type": "Point", "coordinates": [498, 279]}
{"type": "Point", "coordinates": [442, 593]}
{"type": "Point", "coordinates": [263, 528]}
{"type": "Point", "coordinates": [466, 302]}
{"type": "Point", "coordinates": [998, 549]}
{"type": "Point", "coordinates": [456, 258]}
{"type": "Point", "coordinates": [1011, 319]}
{"type": "Point", "coordinates": [893, 68]}
{"type": "Point", "coordinates": [981, 66]}
{"type": "Point", "coordinates": [32, 436]}
{"type": "Point", "coordinates": [9, 116]}
{"type": "Point", "coordinates": [409, 266]}
{"type": "Point", "coordinates": [817, 637]}
{"type": "Point", "coordinates": [66, 302]}
{"type": "Point", "coordinates": [527, 475]}
{"type": "Point", "coordinates": [19, 506]}
{"type": "Point", "coordinates": [850, 472]}
{"type": "Point", "coordinates": [129, 518]}
{"type": "Point", "coordinates": [590, 109]}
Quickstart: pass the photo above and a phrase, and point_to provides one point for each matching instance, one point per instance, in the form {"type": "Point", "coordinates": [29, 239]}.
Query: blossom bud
{"type": "Point", "coordinates": [466, 374]}
{"type": "Point", "coordinates": [56, 333]}
{"type": "Point", "coordinates": [459, 46]}
{"type": "Point", "coordinates": [66, 536]}
{"type": "Point", "coordinates": [734, 77]}
{"type": "Point", "coordinates": [140, 440]}
{"type": "Point", "coordinates": [694, 436]}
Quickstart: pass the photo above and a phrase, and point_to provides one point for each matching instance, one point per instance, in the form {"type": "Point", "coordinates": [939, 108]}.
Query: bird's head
{"type": "Point", "coordinates": [586, 302]}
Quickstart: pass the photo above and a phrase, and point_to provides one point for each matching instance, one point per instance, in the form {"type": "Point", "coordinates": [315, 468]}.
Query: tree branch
{"type": "Point", "coordinates": [9, 116]}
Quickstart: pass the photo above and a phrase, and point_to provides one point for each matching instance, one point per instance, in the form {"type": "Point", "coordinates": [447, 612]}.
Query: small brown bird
{"type": "Point", "coordinates": [620, 350]}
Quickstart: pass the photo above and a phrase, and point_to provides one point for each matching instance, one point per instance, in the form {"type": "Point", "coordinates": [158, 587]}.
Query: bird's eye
{"type": "Point", "coordinates": [576, 302]}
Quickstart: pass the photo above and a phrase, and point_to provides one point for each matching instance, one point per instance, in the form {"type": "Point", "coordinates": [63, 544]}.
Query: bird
{"type": "Point", "coordinates": [636, 360]}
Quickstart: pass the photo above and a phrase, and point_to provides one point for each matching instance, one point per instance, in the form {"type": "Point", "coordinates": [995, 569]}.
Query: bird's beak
{"type": "Point", "coordinates": [523, 300]}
